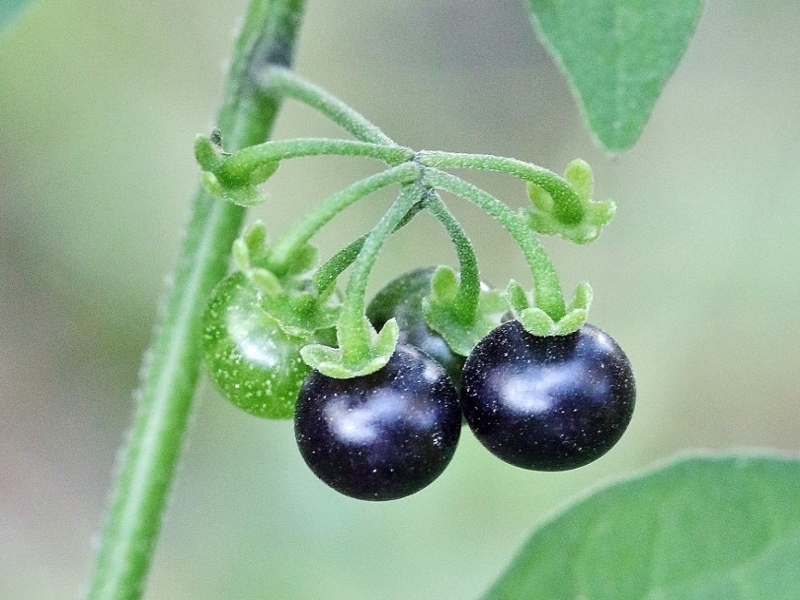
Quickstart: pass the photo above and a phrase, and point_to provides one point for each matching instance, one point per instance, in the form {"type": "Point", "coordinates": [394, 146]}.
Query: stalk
{"type": "Point", "coordinates": [308, 226]}
{"type": "Point", "coordinates": [547, 290]}
{"type": "Point", "coordinates": [354, 338]}
{"type": "Point", "coordinates": [284, 82]}
{"type": "Point", "coordinates": [567, 202]}
{"type": "Point", "coordinates": [172, 363]}
{"type": "Point", "coordinates": [469, 287]}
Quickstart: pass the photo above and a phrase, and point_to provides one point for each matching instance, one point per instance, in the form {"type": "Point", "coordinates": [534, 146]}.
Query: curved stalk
{"type": "Point", "coordinates": [172, 364]}
{"type": "Point", "coordinates": [325, 211]}
{"type": "Point", "coordinates": [330, 270]}
{"type": "Point", "coordinates": [564, 196]}
{"type": "Point", "coordinates": [547, 290]}
{"type": "Point", "coordinates": [469, 288]}
{"type": "Point", "coordinates": [354, 339]}
{"type": "Point", "coordinates": [284, 82]}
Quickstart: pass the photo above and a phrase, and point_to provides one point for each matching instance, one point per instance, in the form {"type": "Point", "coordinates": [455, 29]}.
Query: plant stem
{"type": "Point", "coordinates": [547, 291]}
{"type": "Point", "coordinates": [284, 82]}
{"type": "Point", "coordinates": [240, 165]}
{"type": "Point", "coordinates": [321, 215]}
{"type": "Point", "coordinates": [354, 338]}
{"type": "Point", "coordinates": [330, 270]}
{"type": "Point", "coordinates": [566, 200]}
{"type": "Point", "coordinates": [173, 361]}
{"type": "Point", "coordinates": [469, 288]}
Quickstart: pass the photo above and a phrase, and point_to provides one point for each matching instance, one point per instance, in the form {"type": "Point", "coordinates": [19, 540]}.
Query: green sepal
{"type": "Point", "coordinates": [547, 216]}
{"type": "Point", "coordinates": [265, 281]}
{"type": "Point", "coordinates": [538, 322]}
{"type": "Point", "coordinates": [579, 175]}
{"type": "Point", "coordinates": [332, 362]}
{"type": "Point", "coordinates": [246, 196]}
{"type": "Point", "coordinates": [518, 299]}
{"type": "Point", "coordinates": [582, 299]}
{"type": "Point", "coordinates": [237, 171]}
{"type": "Point", "coordinates": [209, 155]}
{"type": "Point", "coordinates": [250, 249]}
{"type": "Point", "coordinates": [461, 327]}
{"type": "Point", "coordinates": [444, 285]}
{"type": "Point", "coordinates": [289, 297]}
{"type": "Point", "coordinates": [299, 308]}
{"type": "Point", "coordinates": [296, 304]}
{"type": "Point", "coordinates": [228, 177]}
{"type": "Point", "coordinates": [301, 261]}
{"type": "Point", "coordinates": [303, 311]}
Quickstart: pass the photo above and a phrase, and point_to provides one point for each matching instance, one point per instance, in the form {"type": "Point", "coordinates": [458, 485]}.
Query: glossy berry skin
{"type": "Point", "coordinates": [547, 403]}
{"type": "Point", "coordinates": [401, 299]}
{"type": "Point", "coordinates": [381, 436]}
{"type": "Point", "coordinates": [253, 362]}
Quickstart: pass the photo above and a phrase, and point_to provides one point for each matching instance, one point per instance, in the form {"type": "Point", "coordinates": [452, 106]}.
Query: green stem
{"type": "Point", "coordinates": [173, 361]}
{"type": "Point", "coordinates": [566, 201]}
{"type": "Point", "coordinates": [240, 165]}
{"type": "Point", "coordinates": [469, 288]}
{"type": "Point", "coordinates": [284, 82]}
{"type": "Point", "coordinates": [323, 213]}
{"type": "Point", "coordinates": [546, 287]}
{"type": "Point", "coordinates": [330, 270]}
{"type": "Point", "coordinates": [354, 338]}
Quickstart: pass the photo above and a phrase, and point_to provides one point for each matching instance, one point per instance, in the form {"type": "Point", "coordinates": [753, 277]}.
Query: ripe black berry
{"type": "Point", "coordinates": [381, 436]}
{"type": "Point", "coordinates": [547, 403]}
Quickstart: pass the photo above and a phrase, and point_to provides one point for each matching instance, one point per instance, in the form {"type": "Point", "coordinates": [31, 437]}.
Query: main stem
{"type": "Point", "coordinates": [173, 360]}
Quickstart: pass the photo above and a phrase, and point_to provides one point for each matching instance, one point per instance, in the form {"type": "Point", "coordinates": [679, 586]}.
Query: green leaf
{"type": "Point", "coordinates": [701, 528]}
{"type": "Point", "coordinates": [617, 56]}
{"type": "Point", "coordinates": [10, 10]}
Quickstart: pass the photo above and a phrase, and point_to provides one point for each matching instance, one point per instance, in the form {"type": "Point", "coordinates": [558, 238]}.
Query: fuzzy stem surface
{"type": "Point", "coordinates": [566, 200]}
{"type": "Point", "coordinates": [252, 158]}
{"type": "Point", "coordinates": [172, 363]}
{"type": "Point", "coordinates": [354, 338]}
{"type": "Point", "coordinates": [302, 232]}
{"type": "Point", "coordinates": [285, 82]}
{"type": "Point", "coordinates": [547, 290]}
{"type": "Point", "coordinates": [469, 288]}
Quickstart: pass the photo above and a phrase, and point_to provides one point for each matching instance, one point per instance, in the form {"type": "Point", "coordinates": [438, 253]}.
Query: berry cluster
{"type": "Point", "coordinates": [547, 403]}
{"type": "Point", "coordinates": [379, 392]}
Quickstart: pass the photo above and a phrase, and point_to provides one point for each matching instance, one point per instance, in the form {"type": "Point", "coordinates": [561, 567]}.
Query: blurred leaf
{"type": "Point", "coordinates": [617, 56]}
{"type": "Point", "coordinates": [697, 529]}
{"type": "Point", "coordinates": [10, 10]}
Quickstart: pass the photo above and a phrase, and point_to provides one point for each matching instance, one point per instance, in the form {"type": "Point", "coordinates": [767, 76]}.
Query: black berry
{"type": "Point", "coordinates": [381, 436]}
{"type": "Point", "coordinates": [547, 403]}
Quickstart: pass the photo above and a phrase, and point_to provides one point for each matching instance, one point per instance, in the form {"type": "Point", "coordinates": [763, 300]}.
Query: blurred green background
{"type": "Point", "coordinates": [99, 102]}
